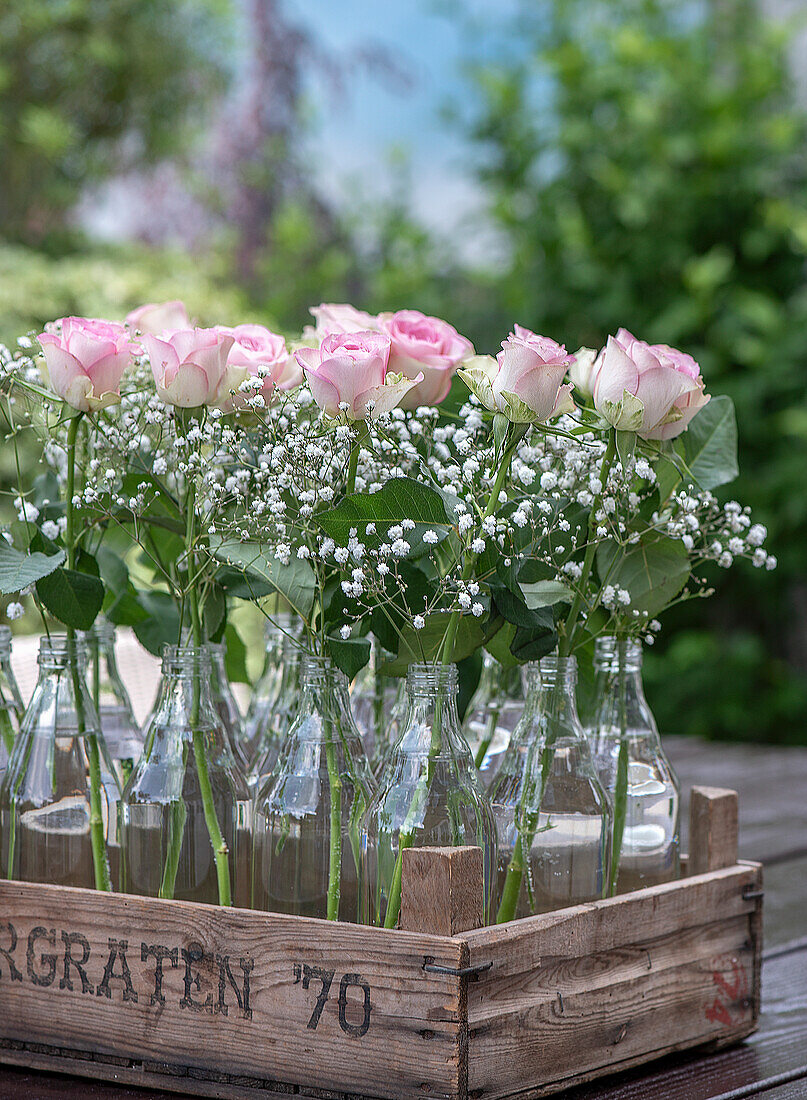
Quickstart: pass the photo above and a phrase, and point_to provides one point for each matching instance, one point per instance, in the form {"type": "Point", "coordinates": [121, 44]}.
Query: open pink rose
{"type": "Point", "coordinates": [428, 345]}
{"type": "Point", "coordinates": [86, 359]}
{"type": "Point", "coordinates": [651, 389]}
{"type": "Point", "coordinates": [350, 370]}
{"type": "Point", "coordinates": [188, 365]}
{"type": "Point", "coordinates": [334, 317]}
{"type": "Point", "coordinates": [157, 317]}
{"type": "Point", "coordinates": [525, 381]}
{"type": "Point", "coordinates": [256, 353]}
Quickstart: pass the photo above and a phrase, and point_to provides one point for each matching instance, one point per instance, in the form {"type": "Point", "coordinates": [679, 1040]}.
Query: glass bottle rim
{"type": "Point", "coordinates": [191, 659]}
{"type": "Point", "coordinates": [606, 653]}
{"type": "Point", "coordinates": [554, 668]}
{"type": "Point", "coordinates": [55, 650]}
{"type": "Point", "coordinates": [102, 630]}
{"type": "Point", "coordinates": [427, 678]}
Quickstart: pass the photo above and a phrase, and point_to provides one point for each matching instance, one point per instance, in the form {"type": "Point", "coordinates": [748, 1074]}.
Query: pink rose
{"type": "Point", "coordinates": [428, 345]}
{"type": "Point", "coordinates": [351, 369]}
{"type": "Point", "coordinates": [86, 359]}
{"type": "Point", "coordinates": [525, 381]}
{"type": "Point", "coordinates": [189, 365]}
{"type": "Point", "coordinates": [651, 389]}
{"type": "Point", "coordinates": [157, 317]}
{"type": "Point", "coordinates": [333, 318]}
{"type": "Point", "coordinates": [256, 353]}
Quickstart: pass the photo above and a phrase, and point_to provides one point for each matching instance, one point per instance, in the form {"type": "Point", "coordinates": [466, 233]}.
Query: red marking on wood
{"type": "Point", "coordinates": [730, 1006]}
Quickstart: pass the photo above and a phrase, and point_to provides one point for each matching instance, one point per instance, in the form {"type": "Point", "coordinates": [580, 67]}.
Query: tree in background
{"type": "Point", "coordinates": [645, 163]}
{"type": "Point", "coordinates": [88, 87]}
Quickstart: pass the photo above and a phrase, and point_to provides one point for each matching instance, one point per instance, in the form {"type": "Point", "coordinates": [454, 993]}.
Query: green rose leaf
{"type": "Point", "coordinates": [401, 498]}
{"type": "Point", "coordinates": [709, 446]}
{"type": "Point", "coordinates": [235, 656]}
{"type": "Point", "coordinates": [295, 581]}
{"type": "Point", "coordinates": [74, 598]}
{"type": "Point", "coordinates": [545, 594]}
{"type": "Point", "coordinates": [417, 646]}
{"type": "Point", "coordinates": [654, 570]}
{"type": "Point", "coordinates": [18, 570]}
{"type": "Point", "coordinates": [161, 627]}
{"type": "Point", "coordinates": [348, 654]}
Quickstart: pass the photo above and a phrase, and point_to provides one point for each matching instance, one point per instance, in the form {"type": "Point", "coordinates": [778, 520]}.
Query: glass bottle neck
{"type": "Point", "coordinates": [554, 697]}
{"type": "Point", "coordinates": [622, 706]}
{"type": "Point", "coordinates": [432, 723]}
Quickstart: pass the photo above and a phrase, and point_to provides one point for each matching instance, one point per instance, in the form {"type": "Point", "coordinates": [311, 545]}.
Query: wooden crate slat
{"type": "Point", "coordinates": [288, 1031]}
{"type": "Point", "coordinates": [601, 925]}
{"type": "Point", "coordinates": [571, 1020]}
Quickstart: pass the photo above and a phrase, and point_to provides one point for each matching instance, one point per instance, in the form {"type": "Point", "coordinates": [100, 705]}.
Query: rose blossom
{"type": "Point", "coordinates": [651, 389]}
{"type": "Point", "coordinates": [333, 318]}
{"type": "Point", "coordinates": [86, 358]}
{"type": "Point", "coordinates": [188, 365]}
{"type": "Point", "coordinates": [428, 345]}
{"type": "Point", "coordinates": [525, 381]}
{"type": "Point", "coordinates": [156, 317]}
{"type": "Point", "coordinates": [352, 369]}
{"type": "Point", "coordinates": [256, 353]}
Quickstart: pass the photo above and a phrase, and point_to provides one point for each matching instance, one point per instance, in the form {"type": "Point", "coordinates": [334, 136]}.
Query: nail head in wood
{"type": "Point", "coordinates": [442, 890]}
{"type": "Point", "coordinates": [713, 815]}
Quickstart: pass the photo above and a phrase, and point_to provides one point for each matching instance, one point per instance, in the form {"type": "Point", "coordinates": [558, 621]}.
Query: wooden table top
{"type": "Point", "coordinates": [772, 784]}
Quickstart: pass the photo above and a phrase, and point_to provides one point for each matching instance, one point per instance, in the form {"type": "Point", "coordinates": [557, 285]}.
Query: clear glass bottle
{"type": "Point", "coordinates": [430, 794]}
{"type": "Point", "coordinates": [59, 797]}
{"type": "Point", "coordinates": [394, 717]}
{"type": "Point", "coordinates": [11, 706]}
{"type": "Point", "coordinates": [277, 711]}
{"type": "Point", "coordinates": [225, 705]}
{"type": "Point", "coordinates": [306, 852]}
{"type": "Point", "coordinates": [634, 770]}
{"type": "Point", "coordinates": [562, 851]}
{"type": "Point", "coordinates": [186, 811]}
{"type": "Point", "coordinates": [111, 700]}
{"type": "Point", "coordinates": [492, 716]}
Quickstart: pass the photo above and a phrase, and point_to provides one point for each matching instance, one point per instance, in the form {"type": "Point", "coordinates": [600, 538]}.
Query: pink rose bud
{"type": "Point", "coordinates": [581, 371]}
{"type": "Point", "coordinates": [426, 345]}
{"type": "Point", "coordinates": [651, 389]}
{"type": "Point", "coordinates": [86, 359]}
{"type": "Point", "coordinates": [256, 353]}
{"type": "Point", "coordinates": [525, 381]}
{"type": "Point", "coordinates": [189, 365]}
{"type": "Point", "coordinates": [334, 318]}
{"type": "Point", "coordinates": [157, 317]}
{"type": "Point", "coordinates": [348, 371]}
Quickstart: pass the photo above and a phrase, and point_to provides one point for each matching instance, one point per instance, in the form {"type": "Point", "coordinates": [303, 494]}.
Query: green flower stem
{"type": "Point", "coordinates": [335, 838]}
{"type": "Point", "coordinates": [405, 840]}
{"type": "Point", "coordinates": [526, 831]}
{"type": "Point", "coordinates": [176, 829]}
{"type": "Point", "coordinates": [100, 862]}
{"type": "Point", "coordinates": [567, 636]}
{"type": "Point", "coordinates": [220, 848]}
{"type": "Point", "coordinates": [470, 560]}
{"type": "Point", "coordinates": [512, 884]}
{"type": "Point", "coordinates": [353, 462]}
{"type": "Point", "coordinates": [621, 789]}
{"type": "Point", "coordinates": [484, 744]}
{"type": "Point", "coordinates": [6, 727]}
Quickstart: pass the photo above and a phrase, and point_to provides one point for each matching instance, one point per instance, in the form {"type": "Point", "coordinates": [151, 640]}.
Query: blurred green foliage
{"type": "Point", "coordinates": [92, 86]}
{"type": "Point", "coordinates": [645, 165]}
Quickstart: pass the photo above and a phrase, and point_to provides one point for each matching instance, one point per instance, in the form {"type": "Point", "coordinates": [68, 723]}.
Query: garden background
{"type": "Point", "coordinates": [573, 165]}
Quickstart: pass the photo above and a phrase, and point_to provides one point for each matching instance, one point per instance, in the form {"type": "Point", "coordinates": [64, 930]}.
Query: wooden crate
{"type": "Point", "coordinates": [205, 1001]}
